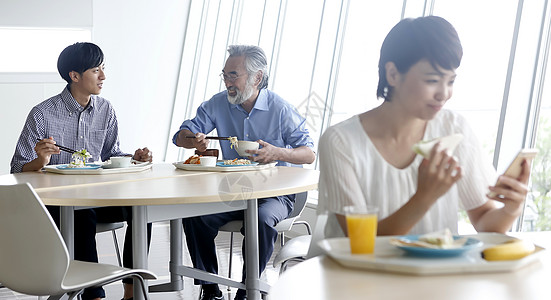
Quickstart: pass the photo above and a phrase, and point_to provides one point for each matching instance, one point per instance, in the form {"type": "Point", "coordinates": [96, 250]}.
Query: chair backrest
{"type": "Point", "coordinates": [317, 236]}
{"type": "Point", "coordinates": [298, 207]}
{"type": "Point", "coordinates": [283, 225]}
{"type": "Point", "coordinates": [300, 204]}
{"type": "Point", "coordinates": [33, 256]}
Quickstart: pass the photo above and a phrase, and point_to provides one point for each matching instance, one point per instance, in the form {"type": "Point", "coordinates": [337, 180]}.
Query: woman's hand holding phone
{"type": "Point", "coordinates": [511, 188]}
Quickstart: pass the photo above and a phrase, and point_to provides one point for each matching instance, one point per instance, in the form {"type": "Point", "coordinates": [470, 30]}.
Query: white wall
{"type": "Point", "coordinates": [142, 41]}
{"type": "Point", "coordinates": [17, 100]}
{"type": "Point", "coordinates": [52, 13]}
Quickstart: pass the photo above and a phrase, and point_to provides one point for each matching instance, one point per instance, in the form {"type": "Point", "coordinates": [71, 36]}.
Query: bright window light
{"type": "Point", "coordinates": [36, 50]}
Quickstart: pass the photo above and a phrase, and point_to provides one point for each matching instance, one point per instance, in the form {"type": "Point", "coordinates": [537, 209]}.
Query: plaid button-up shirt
{"type": "Point", "coordinates": [93, 128]}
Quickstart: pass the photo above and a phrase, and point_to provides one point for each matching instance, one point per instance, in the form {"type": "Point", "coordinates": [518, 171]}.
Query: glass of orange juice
{"type": "Point", "coordinates": [362, 228]}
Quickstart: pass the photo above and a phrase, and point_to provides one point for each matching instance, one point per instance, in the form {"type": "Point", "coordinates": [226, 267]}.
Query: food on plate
{"type": "Point", "coordinates": [78, 159]}
{"type": "Point", "coordinates": [193, 160]}
{"type": "Point", "coordinates": [434, 240]}
{"type": "Point", "coordinates": [237, 161]}
{"type": "Point", "coordinates": [443, 239]}
{"type": "Point", "coordinates": [233, 141]}
{"type": "Point", "coordinates": [449, 143]}
{"type": "Point", "coordinates": [510, 250]}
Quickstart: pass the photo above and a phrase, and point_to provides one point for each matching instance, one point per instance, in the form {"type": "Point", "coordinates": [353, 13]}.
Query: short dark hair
{"type": "Point", "coordinates": [411, 40]}
{"type": "Point", "coordinates": [78, 57]}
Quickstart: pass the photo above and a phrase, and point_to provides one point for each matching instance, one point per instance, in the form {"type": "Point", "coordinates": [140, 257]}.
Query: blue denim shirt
{"type": "Point", "coordinates": [272, 120]}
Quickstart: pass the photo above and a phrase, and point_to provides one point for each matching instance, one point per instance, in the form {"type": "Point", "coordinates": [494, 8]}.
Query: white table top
{"type": "Point", "coordinates": [164, 184]}
{"type": "Point", "coordinates": [159, 193]}
{"type": "Point", "coordinates": [42, 180]}
{"type": "Point", "coordinates": [323, 278]}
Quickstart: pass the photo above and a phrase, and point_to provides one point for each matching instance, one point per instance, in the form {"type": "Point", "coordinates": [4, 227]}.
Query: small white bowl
{"type": "Point", "coordinates": [208, 161]}
{"type": "Point", "coordinates": [120, 161]}
{"type": "Point", "coordinates": [242, 146]}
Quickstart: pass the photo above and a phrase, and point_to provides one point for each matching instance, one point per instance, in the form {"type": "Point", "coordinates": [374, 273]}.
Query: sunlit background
{"type": "Point", "coordinates": [323, 59]}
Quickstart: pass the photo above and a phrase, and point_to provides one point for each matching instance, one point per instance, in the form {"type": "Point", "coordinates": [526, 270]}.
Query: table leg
{"type": "Point", "coordinates": [139, 245]}
{"type": "Point", "coordinates": [176, 259]}
{"type": "Point", "coordinates": [176, 280]}
{"type": "Point", "coordinates": [252, 282]}
{"type": "Point", "coordinates": [67, 228]}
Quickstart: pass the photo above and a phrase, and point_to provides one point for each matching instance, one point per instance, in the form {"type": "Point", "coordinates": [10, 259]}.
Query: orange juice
{"type": "Point", "coordinates": [362, 230]}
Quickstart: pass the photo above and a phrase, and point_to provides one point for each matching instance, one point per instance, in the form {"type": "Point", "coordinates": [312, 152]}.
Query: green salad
{"type": "Point", "coordinates": [79, 158]}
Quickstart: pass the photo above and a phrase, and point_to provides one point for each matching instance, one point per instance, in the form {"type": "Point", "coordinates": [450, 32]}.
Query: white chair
{"type": "Point", "coordinates": [33, 256]}
{"type": "Point", "coordinates": [103, 227]}
{"type": "Point", "coordinates": [301, 247]}
{"type": "Point", "coordinates": [281, 227]}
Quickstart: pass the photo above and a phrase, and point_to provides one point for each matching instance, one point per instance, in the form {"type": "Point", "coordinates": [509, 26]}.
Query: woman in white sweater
{"type": "Point", "coordinates": [368, 159]}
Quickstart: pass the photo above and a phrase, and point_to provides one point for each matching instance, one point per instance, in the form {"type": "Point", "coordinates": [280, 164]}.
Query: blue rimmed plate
{"type": "Point", "coordinates": [86, 167]}
{"type": "Point", "coordinates": [469, 244]}
{"type": "Point", "coordinates": [221, 164]}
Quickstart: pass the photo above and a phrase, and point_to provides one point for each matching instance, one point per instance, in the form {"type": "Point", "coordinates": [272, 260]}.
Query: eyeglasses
{"type": "Point", "coordinates": [230, 78]}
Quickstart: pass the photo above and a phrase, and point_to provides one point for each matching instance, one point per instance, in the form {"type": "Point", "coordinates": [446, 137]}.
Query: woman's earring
{"type": "Point", "coordinates": [385, 92]}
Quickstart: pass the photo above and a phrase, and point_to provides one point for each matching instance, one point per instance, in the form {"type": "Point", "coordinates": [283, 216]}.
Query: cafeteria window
{"type": "Point", "coordinates": [323, 59]}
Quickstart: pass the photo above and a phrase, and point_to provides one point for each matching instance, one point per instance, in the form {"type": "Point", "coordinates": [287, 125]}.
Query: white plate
{"type": "Point", "coordinates": [221, 164]}
{"type": "Point", "coordinates": [98, 171]}
{"type": "Point", "coordinates": [469, 245]}
{"type": "Point", "coordinates": [133, 164]}
{"type": "Point", "coordinates": [389, 258]}
{"type": "Point", "coordinates": [85, 167]}
{"type": "Point", "coordinates": [188, 167]}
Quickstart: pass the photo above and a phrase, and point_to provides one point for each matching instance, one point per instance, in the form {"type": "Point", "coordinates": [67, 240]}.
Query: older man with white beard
{"type": "Point", "coordinates": [248, 111]}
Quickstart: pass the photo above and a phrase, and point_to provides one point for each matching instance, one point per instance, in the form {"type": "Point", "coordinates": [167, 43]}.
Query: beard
{"type": "Point", "coordinates": [241, 97]}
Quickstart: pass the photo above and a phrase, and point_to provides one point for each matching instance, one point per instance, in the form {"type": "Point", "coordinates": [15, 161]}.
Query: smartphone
{"type": "Point", "coordinates": [515, 168]}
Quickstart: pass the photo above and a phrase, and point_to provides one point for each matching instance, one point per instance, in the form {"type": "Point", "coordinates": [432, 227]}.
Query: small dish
{"type": "Point", "coordinates": [120, 161]}
{"type": "Point", "coordinates": [86, 167]}
{"type": "Point", "coordinates": [208, 161]}
{"type": "Point", "coordinates": [470, 243]}
{"type": "Point", "coordinates": [243, 146]}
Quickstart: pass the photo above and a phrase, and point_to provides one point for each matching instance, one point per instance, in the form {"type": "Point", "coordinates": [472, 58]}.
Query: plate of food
{"type": "Point", "coordinates": [198, 163]}
{"type": "Point", "coordinates": [78, 162]}
{"type": "Point", "coordinates": [236, 163]}
{"type": "Point", "coordinates": [436, 244]}
{"type": "Point", "coordinates": [79, 166]}
{"type": "Point", "coordinates": [233, 165]}
{"type": "Point", "coordinates": [389, 258]}
{"type": "Point", "coordinates": [93, 169]}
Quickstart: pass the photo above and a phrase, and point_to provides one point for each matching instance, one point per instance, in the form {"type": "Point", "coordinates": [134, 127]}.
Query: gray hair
{"type": "Point", "coordinates": [255, 60]}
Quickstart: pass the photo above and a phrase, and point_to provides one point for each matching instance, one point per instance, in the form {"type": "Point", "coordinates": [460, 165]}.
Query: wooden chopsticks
{"type": "Point", "coordinates": [63, 148]}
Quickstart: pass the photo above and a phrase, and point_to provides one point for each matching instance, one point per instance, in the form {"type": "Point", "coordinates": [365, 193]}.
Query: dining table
{"type": "Point", "coordinates": [323, 277]}
{"type": "Point", "coordinates": [164, 192]}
